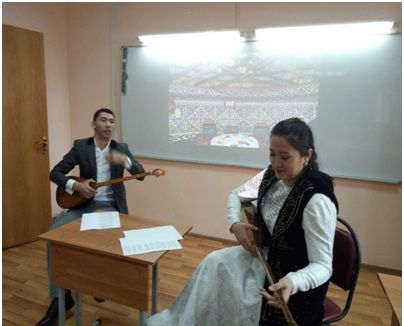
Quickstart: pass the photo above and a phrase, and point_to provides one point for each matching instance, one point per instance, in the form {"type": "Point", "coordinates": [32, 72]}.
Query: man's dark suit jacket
{"type": "Point", "coordinates": [83, 155]}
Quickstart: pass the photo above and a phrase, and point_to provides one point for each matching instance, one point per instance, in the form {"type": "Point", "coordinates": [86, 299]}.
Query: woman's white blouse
{"type": "Point", "coordinates": [319, 222]}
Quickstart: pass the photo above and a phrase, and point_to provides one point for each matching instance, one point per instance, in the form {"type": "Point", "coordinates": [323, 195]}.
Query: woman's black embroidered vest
{"type": "Point", "coordinates": [287, 247]}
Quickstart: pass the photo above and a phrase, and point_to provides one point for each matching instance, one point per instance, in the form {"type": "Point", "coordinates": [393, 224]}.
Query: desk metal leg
{"type": "Point", "coordinates": [154, 301]}
{"type": "Point", "coordinates": [61, 306]}
{"type": "Point", "coordinates": [142, 318]}
{"type": "Point", "coordinates": [155, 285]}
{"type": "Point", "coordinates": [78, 308]}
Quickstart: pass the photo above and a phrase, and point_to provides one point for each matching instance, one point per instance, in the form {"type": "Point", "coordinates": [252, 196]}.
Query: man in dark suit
{"type": "Point", "coordinates": [100, 158]}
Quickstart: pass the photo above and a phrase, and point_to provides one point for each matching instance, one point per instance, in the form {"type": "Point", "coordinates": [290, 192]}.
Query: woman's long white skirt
{"type": "Point", "coordinates": [222, 291]}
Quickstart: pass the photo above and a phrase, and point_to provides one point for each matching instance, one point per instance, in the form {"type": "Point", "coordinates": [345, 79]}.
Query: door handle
{"type": "Point", "coordinates": [44, 142]}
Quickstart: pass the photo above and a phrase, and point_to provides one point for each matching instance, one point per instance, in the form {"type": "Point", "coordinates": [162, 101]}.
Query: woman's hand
{"type": "Point", "coordinates": [243, 234]}
{"type": "Point", "coordinates": [284, 287]}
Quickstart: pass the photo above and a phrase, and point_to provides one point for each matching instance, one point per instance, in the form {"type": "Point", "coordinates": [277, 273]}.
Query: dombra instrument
{"type": "Point", "coordinates": [260, 239]}
{"type": "Point", "coordinates": [66, 200]}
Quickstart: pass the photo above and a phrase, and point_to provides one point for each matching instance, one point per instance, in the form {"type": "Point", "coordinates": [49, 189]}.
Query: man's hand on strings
{"type": "Point", "coordinates": [243, 233]}
{"type": "Point", "coordinates": [84, 188]}
{"type": "Point", "coordinates": [284, 286]}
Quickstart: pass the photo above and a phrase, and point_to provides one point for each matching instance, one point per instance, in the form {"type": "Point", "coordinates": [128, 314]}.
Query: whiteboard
{"type": "Point", "coordinates": [220, 110]}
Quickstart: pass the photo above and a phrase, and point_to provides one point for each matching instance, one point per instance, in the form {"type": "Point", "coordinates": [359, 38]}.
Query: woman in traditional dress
{"type": "Point", "coordinates": [298, 208]}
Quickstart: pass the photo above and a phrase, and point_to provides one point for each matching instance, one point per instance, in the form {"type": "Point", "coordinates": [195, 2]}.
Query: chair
{"type": "Point", "coordinates": [346, 266]}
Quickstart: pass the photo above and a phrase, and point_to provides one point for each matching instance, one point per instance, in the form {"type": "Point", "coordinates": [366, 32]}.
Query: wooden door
{"type": "Point", "coordinates": [26, 186]}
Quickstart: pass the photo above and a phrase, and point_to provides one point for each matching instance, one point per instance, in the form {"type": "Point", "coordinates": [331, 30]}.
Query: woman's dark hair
{"type": "Point", "coordinates": [99, 111]}
{"type": "Point", "coordinates": [299, 135]}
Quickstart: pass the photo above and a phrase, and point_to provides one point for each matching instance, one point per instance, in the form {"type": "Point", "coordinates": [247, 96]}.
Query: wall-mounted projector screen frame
{"type": "Point", "coordinates": [217, 106]}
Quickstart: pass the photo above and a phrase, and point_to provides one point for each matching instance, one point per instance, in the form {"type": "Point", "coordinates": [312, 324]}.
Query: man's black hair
{"type": "Point", "coordinates": [99, 111]}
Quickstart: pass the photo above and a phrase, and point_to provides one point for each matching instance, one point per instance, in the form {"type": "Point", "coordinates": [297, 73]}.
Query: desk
{"type": "Point", "coordinates": [392, 287]}
{"type": "Point", "coordinates": [92, 262]}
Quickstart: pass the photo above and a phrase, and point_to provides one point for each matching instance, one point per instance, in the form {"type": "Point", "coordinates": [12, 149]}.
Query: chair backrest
{"type": "Point", "coordinates": [346, 261]}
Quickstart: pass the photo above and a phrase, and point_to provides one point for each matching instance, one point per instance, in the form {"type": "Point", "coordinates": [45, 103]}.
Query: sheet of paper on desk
{"type": "Point", "coordinates": [135, 248]}
{"type": "Point", "coordinates": [100, 220]}
{"type": "Point", "coordinates": [145, 240]}
{"type": "Point", "coordinates": [166, 232]}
